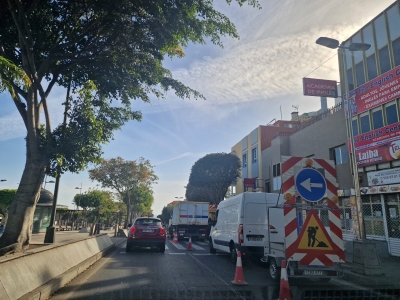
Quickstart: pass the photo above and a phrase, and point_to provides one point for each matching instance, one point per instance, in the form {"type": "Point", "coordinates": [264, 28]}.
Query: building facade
{"type": "Point", "coordinates": [373, 83]}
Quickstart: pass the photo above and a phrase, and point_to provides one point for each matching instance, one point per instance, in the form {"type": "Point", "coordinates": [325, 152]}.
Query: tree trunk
{"type": "Point", "coordinates": [22, 208]}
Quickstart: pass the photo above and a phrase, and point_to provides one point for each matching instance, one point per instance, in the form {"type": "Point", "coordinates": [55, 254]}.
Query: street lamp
{"type": "Point", "coordinates": [51, 181]}
{"type": "Point", "coordinates": [334, 44]}
{"type": "Point", "coordinates": [365, 255]}
{"type": "Point", "coordinates": [1, 180]}
{"type": "Point", "coordinates": [80, 193]}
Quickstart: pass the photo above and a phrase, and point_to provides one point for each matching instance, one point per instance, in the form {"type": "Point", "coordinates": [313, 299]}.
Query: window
{"type": "Point", "coordinates": [355, 127]}
{"type": "Point", "coordinates": [360, 74]}
{"type": "Point", "coordinates": [365, 124]}
{"type": "Point", "coordinates": [254, 155]}
{"type": "Point", "coordinates": [350, 79]}
{"type": "Point", "coordinates": [276, 170]}
{"type": "Point", "coordinates": [377, 118]}
{"type": "Point", "coordinates": [276, 174]}
{"type": "Point", "coordinates": [391, 114]}
{"type": "Point", "coordinates": [340, 155]}
{"type": "Point", "coordinates": [244, 161]}
{"type": "Point", "coordinates": [371, 67]}
{"type": "Point", "coordinates": [384, 59]}
{"type": "Point", "coordinates": [396, 51]}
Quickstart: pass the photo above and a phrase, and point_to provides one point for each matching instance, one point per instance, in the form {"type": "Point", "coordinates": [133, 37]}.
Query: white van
{"type": "Point", "coordinates": [241, 223]}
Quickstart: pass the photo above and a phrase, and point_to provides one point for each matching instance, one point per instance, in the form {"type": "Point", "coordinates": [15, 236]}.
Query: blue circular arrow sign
{"type": "Point", "coordinates": [310, 184]}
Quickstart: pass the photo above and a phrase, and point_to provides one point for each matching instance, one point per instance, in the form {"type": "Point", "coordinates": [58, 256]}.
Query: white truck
{"type": "Point", "coordinates": [189, 219]}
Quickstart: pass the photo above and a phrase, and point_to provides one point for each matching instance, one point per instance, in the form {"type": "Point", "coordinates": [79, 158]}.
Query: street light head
{"type": "Point", "coordinates": [328, 42]}
{"type": "Point", "coordinates": [359, 47]}
{"type": "Point", "coordinates": [77, 188]}
{"type": "Point", "coordinates": [3, 180]}
{"type": "Point", "coordinates": [51, 181]}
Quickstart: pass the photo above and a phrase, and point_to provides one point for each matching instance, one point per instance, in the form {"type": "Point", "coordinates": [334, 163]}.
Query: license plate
{"type": "Point", "coordinates": [147, 230]}
{"type": "Point", "coordinates": [313, 272]}
{"type": "Point", "coordinates": [255, 239]}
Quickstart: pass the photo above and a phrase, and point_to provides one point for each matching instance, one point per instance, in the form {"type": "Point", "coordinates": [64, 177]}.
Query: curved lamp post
{"type": "Point", "coordinates": [366, 257]}
{"type": "Point", "coordinates": [334, 44]}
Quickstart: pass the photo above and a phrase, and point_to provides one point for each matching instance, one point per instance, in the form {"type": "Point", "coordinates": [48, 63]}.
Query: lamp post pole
{"type": "Point", "coordinates": [365, 255]}
{"type": "Point", "coordinates": [360, 232]}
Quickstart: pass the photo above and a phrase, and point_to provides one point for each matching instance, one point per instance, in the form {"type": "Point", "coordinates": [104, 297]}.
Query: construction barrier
{"type": "Point", "coordinates": [239, 276]}
{"type": "Point", "coordinates": [284, 291]}
{"type": "Point", "coordinates": [189, 247]}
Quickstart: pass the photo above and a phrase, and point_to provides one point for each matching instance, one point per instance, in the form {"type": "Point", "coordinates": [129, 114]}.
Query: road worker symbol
{"type": "Point", "coordinates": [314, 236]}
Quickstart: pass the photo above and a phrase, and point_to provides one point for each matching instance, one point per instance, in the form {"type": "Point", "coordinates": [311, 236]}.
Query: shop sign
{"type": "Point", "coordinates": [249, 183]}
{"type": "Point", "coordinates": [320, 87]}
{"type": "Point", "coordinates": [381, 189]}
{"type": "Point", "coordinates": [384, 177]}
{"type": "Point", "coordinates": [382, 89]}
{"type": "Point", "coordinates": [378, 146]}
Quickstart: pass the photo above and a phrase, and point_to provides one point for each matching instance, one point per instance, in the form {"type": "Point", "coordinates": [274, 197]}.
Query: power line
{"type": "Point", "coordinates": [322, 64]}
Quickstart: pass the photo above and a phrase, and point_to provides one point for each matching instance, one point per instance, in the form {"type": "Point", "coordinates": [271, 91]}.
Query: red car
{"type": "Point", "coordinates": [146, 232]}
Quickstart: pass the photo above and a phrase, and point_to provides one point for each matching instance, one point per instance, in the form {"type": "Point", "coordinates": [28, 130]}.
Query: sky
{"type": "Point", "coordinates": [247, 83]}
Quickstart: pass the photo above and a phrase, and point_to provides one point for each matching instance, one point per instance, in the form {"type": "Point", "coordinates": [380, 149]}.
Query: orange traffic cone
{"type": "Point", "coordinates": [239, 277]}
{"type": "Point", "coordinates": [284, 291]}
{"type": "Point", "coordinates": [175, 240]}
{"type": "Point", "coordinates": [189, 247]}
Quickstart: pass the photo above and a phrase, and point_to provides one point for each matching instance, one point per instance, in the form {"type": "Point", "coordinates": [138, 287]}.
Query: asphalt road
{"type": "Point", "coordinates": [181, 274]}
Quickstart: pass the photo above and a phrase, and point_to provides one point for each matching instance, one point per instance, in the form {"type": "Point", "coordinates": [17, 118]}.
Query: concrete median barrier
{"type": "Point", "coordinates": [39, 272]}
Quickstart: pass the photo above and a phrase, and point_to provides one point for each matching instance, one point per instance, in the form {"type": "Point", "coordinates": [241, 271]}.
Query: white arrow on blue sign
{"type": "Point", "coordinates": [310, 184]}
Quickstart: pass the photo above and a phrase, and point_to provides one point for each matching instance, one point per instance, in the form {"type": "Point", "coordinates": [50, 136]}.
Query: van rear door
{"type": "Point", "coordinates": [255, 223]}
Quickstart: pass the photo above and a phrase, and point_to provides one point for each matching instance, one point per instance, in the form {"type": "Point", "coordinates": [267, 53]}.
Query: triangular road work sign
{"type": "Point", "coordinates": [313, 243]}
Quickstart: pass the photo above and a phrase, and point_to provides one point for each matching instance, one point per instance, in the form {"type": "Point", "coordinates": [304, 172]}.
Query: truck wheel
{"type": "Point", "coordinates": [211, 247]}
{"type": "Point", "coordinates": [274, 270]}
{"type": "Point", "coordinates": [233, 254]}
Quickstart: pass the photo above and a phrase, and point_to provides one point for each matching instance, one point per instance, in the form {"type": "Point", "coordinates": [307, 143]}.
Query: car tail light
{"type": "Point", "coordinates": [162, 231]}
{"type": "Point", "coordinates": [132, 230]}
{"type": "Point", "coordinates": [240, 234]}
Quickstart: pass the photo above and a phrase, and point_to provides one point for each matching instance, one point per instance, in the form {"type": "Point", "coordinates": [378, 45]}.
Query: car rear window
{"type": "Point", "coordinates": [148, 222]}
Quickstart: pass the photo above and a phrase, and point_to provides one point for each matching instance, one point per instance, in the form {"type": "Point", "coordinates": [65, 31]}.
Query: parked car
{"type": "Point", "coordinates": [146, 232]}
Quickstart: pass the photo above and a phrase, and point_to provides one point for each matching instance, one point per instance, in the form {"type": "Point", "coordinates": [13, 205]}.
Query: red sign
{"type": "Point", "coordinates": [249, 182]}
{"type": "Point", "coordinates": [320, 87]}
{"type": "Point", "coordinates": [376, 92]}
{"type": "Point", "coordinates": [378, 146]}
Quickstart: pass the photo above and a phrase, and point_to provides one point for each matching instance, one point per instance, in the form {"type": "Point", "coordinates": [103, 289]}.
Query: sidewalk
{"type": "Point", "coordinates": [389, 280]}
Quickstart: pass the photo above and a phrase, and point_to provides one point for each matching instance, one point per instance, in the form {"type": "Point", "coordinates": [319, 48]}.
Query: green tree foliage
{"type": "Point", "coordinates": [118, 47]}
{"type": "Point", "coordinates": [6, 197]}
{"type": "Point", "coordinates": [131, 179]}
{"type": "Point", "coordinates": [140, 199]}
{"type": "Point", "coordinates": [211, 177]}
{"type": "Point", "coordinates": [166, 214]}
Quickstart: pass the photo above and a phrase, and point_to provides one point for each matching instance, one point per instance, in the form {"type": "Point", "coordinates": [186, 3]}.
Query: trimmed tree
{"type": "Point", "coordinates": [211, 177]}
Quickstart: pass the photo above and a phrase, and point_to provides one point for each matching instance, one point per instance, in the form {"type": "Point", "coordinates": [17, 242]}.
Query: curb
{"type": "Point", "coordinates": [45, 291]}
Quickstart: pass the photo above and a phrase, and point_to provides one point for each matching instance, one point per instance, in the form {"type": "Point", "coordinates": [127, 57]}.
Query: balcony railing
{"type": "Point", "coordinates": [313, 120]}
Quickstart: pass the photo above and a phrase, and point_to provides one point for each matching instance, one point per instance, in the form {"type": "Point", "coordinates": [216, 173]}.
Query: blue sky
{"type": "Point", "coordinates": [245, 83]}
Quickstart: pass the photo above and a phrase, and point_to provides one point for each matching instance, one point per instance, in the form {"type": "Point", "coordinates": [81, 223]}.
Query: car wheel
{"type": "Point", "coordinates": [128, 249]}
{"type": "Point", "coordinates": [211, 247]}
{"type": "Point", "coordinates": [233, 254]}
{"type": "Point", "coordinates": [274, 270]}
{"type": "Point", "coordinates": [162, 248]}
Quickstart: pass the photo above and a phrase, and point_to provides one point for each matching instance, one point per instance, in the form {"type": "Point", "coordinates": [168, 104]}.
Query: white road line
{"type": "Point", "coordinates": [179, 246]}
{"type": "Point", "coordinates": [197, 247]}
{"type": "Point", "coordinates": [182, 253]}
{"type": "Point", "coordinates": [166, 247]}
{"type": "Point", "coordinates": [206, 254]}
{"type": "Point", "coordinates": [203, 243]}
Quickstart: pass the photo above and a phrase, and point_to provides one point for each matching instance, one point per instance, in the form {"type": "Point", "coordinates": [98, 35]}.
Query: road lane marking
{"type": "Point", "coordinates": [209, 254]}
{"type": "Point", "coordinates": [181, 253]}
{"type": "Point", "coordinates": [166, 247]}
{"type": "Point", "coordinates": [196, 247]}
{"type": "Point", "coordinates": [213, 273]}
{"type": "Point", "coordinates": [179, 246]}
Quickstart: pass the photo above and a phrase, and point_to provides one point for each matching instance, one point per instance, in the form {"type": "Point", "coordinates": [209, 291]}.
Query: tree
{"type": "Point", "coordinates": [115, 47]}
{"type": "Point", "coordinates": [6, 197]}
{"type": "Point", "coordinates": [124, 177]}
{"type": "Point", "coordinates": [166, 214]}
{"type": "Point", "coordinates": [211, 177]}
{"type": "Point", "coordinates": [140, 199]}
